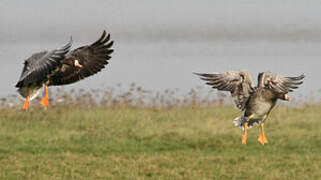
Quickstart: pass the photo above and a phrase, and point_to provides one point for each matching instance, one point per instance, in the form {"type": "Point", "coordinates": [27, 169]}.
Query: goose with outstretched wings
{"type": "Point", "coordinates": [256, 101]}
{"type": "Point", "coordinates": [87, 60]}
{"type": "Point", "coordinates": [62, 66]}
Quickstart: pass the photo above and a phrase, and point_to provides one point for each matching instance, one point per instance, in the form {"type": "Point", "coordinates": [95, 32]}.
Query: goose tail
{"type": "Point", "coordinates": [239, 121]}
{"type": "Point", "coordinates": [34, 92]}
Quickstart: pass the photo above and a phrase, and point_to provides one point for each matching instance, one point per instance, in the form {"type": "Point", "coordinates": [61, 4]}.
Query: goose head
{"type": "Point", "coordinates": [72, 62]}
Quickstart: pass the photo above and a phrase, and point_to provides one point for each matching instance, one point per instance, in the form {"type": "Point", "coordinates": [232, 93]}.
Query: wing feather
{"type": "Point", "coordinates": [279, 83]}
{"type": "Point", "coordinates": [94, 57]}
{"type": "Point", "coordinates": [239, 83]}
{"type": "Point", "coordinates": [40, 65]}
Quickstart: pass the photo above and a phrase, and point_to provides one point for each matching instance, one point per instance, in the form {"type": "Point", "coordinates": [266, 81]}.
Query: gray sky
{"type": "Point", "coordinates": [159, 43]}
{"type": "Point", "coordinates": [273, 19]}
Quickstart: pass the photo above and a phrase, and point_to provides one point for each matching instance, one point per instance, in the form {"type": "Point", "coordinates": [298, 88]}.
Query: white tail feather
{"type": "Point", "coordinates": [239, 121]}
{"type": "Point", "coordinates": [34, 92]}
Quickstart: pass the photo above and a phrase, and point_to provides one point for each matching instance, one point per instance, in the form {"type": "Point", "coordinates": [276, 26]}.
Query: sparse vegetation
{"type": "Point", "coordinates": [139, 134]}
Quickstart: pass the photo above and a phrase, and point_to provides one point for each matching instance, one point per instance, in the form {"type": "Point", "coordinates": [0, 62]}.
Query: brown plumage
{"type": "Point", "coordinates": [239, 83]}
{"type": "Point", "coordinates": [38, 68]}
{"type": "Point", "coordinates": [257, 102]}
{"type": "Point", "coordinates": [92, 58]}
{"type": "Point", "coordinates": [61, 67]}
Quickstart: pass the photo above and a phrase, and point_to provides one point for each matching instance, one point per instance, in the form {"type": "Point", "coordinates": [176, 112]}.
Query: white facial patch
{"type": "Point", "coordinates": [287, 97]}
{"type": "Point", "coordinates": [77, 64]}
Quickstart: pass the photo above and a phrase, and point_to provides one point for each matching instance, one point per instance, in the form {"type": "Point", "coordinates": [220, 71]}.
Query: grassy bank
{"type": "Point", "coordinates": [146, 143]}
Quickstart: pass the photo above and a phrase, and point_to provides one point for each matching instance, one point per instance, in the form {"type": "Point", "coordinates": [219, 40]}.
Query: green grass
{"type": "Point", "coordinates": [143, 143]}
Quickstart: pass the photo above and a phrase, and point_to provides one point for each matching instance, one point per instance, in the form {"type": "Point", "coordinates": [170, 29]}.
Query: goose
{"type": "Point", "coordinates": [61, 67]}
{"type": "Point", "coordinates": [256, 101]}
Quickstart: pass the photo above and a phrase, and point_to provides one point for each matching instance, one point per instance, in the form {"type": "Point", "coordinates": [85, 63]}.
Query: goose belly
{"type": "Point", "coordinates": [261, 109]}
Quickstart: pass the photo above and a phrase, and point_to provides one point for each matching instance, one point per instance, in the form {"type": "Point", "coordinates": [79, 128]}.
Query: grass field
{"type": "Point", "coordinates": [149, 143]}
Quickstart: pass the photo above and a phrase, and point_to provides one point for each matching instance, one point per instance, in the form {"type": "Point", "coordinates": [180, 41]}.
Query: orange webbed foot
{"type": "Point", "coordinates": [262, 139]}
{"type": "Point", "coordinates": [45, 99]}
{"type": "Point", "coordinates": [45, 102]}
{"type": "Point", "coordinates": [26, 105]}
{"type": "Point", "coordinates": [244, 138]}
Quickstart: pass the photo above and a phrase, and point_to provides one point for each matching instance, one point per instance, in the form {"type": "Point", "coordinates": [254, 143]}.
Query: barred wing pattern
{"type": "Point", "coordinates": [40, 65]}
{"type": "Point", "coordinates": [239, 83]}
{"type": "Point", "coordinates": [279, 83]}
{"type": "Point", "coordinates": [93, 59]}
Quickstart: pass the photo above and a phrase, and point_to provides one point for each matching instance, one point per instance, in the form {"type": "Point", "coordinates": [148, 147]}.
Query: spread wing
{"type": "Point", "coordinates": [93, 59]}
{"type": "Point", "coordinates": [279, 83]}
{"type": "Point", "coordinates": [239, 83]}
{"type": "Point", "coordinates": [40, 65]}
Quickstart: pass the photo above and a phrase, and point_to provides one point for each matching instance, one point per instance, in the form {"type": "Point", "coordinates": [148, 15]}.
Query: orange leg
{"type": "Point", "coordinates": [26, 104]}
{"type": "Point", "coordinates": [245, 134]}
{"type": "Point", "coordinates": [262, 139]}
{"type": "Point", "coordinates": [45, 99]}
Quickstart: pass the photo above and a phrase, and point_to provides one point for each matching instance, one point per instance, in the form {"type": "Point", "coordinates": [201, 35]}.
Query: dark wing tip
{"type": "Point", "coordinates": [108, 36]}
{"type": "Point", "coordinates": [102, 36]}
{"type": "Point", "coordinates": [302, 76]}
{"type": "Point", "coordinates": [109, 45]}
{"type": "Point", "coordinates": [102, 40]}
{"type": "Point", "coordinates": [66, 47]}
{"type": "Point", "coordinates": [104, 33]}
{"type": "Point", "coordinates": [297, 78]}
{"type": "Point", "coordinates": [70, 40]}
{"type": "Point", "coordinates": [200, 74]}
{"type": "Point", "coordinates": [110, 51]}
{"type": "Point", "coordinates": [209, 75]}
{"type": "Point", "coordinates": [19, 84]}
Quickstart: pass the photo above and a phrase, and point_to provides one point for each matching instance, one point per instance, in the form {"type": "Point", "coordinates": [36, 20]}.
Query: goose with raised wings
{"type": "Point", "coordinates": [256, 101]}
